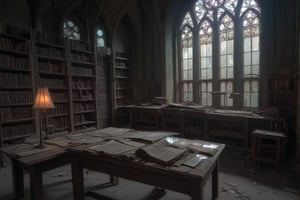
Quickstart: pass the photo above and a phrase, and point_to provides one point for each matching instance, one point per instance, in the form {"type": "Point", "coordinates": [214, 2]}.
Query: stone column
{"type": "Point", "coordinates": [298, 123]}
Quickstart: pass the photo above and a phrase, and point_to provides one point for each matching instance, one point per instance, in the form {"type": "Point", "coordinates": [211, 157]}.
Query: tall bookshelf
{"type": "Point", "coordinates": [121, 87]}
{"type": "Point", "coordinates": [51, 62]}
{"type": "Point", "coordinates": [16, 84]}
{"type": "Point", "coordinates": [82, 80]}
{"type": "Point", "coordinates": [69, 69]}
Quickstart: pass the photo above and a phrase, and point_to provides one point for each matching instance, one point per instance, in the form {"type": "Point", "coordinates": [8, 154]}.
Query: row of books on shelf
{"type": "Point", "coordinates": [17, 130]}
{"type": "Point", "coordinates": [79, 84]}
{"type": "Point", "coordinates": [120, 64]}
{"type": "Point", "coordinates": [53, 83]}
{"type": "Point", "coordinates": [51, 52]}
{"type": "Point", "coordinates": [80, 118]}
{"type": "Point", "coordinates": [59, 96]}
{"type": "Point", "coordinates": [14, 113]}
{"type": "Point", "coordinates": [12, 79]}
{"type": "Point", "coordinates": [82, 70]}
{"type": "Point", "coordinates": [14, 45]}
{"type": "Point", "coordinates": [121, 73]}
{"type": "Point", "coordinates": [15, 97]}
{"type": "Point", "coordinates": [121, 83]}
{"type": "Point", "coordinates": [48, 39]}
{"type": "Point", "coordinates": [78, 95]}
{"type": "Point", "coordinates": [59, 122]}
{"type": "Point", "coordinates": [53, 67]}
{"type": "Point", "coordinates": [82, 57]}
{"type": "Point", "coordinates": [80, 107]}
{"type": "Point", "coordinates": [81, 46]}
{"type": "Point", "coordinates": [16, 31]}
{"type": "Point", "coordinates": [58, 110]}
{"type": "Point", "coordinates": [12, 62]}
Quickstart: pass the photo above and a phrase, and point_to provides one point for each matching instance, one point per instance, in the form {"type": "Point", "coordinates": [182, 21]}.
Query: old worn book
{"type": "Point", "coordinates": [109, 131]}
{"type": "Point", "coordinates": [84, 138]}
{"type": "Point", "coordinates": [161, 153]}
{"type": "Point", "coordinates": [194, 160]}
{"type": "Point", "coordinates": [111, 147]}
{"type": "Point", "coordinates": [194, 145]}
{"type": "Point", "coordinates": [62, 142]}
{"type": "Point", "coordinates": [151, 136]}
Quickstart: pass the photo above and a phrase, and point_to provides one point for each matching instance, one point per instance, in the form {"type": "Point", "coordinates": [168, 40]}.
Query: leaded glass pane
{"type": "Point", "coordinates": [255, 43]}
{"type": "Point", "coordinates": [71, 30]}
{"type": "Point", "coordinates": [231, 5]}
{"type": "Point", "coordinates": [100, 38]}
{"type": "Point", "coordinates": [187, 20]}
{"type": "Point", "coordinates": [249, 4]}
{"type": "Point", "coordinates": [199, 10]}
{"type": "Point", "coordinates": [247, 58]}
{"type": "Point", "coordinates": [255, 58]}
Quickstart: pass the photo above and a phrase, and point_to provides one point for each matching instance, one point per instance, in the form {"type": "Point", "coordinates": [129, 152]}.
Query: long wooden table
{"type": "Point", "coordinates": [188, 182]}
{"type": "Point", "coordinates": [35, 164]}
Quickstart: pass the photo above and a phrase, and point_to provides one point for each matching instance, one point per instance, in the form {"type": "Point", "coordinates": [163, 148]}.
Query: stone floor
{"type": "Point", "coordinates": [238, 180]}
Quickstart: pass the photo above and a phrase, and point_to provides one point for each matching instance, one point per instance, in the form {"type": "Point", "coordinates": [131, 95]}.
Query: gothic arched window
{"type": "Point", "coordinates": [220, 54]}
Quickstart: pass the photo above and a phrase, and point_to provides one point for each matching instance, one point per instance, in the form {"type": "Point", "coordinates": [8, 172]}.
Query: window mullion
{"type": "Point", "coordinates": [215, 62]}
{"type": "Point", "coordinates": [196, 54]}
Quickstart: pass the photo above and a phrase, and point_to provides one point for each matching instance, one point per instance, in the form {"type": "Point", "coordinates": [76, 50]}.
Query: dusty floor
{"type": "Point", "coordinates": [238, 180]}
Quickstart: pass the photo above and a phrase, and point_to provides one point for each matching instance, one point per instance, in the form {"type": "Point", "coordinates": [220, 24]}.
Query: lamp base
{"type": "Point", "coordinates": [40, 146]}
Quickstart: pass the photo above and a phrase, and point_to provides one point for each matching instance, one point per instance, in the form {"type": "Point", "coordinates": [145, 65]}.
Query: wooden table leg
{"type": "Point", "coordinates": [215, 181]}
{"type": "Point", "coordinates": [77, 180]}
{"type": "Point", "coordinates": [18, 180]}
{"type": "Point", "coordinates": [36, 183]}
{"type": "Point", "coordinates": [197, 191]}
{"type": "Point", "coordinates": [114, 180]}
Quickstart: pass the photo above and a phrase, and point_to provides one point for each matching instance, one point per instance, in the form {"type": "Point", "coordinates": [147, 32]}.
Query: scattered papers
{"type": "Point", "coordinates": [111, 147]}
{"type": "Point", "coordinates": [110, 131]}
{"type": "Point", "coordinates": [85, 138]}
{"type": "Point", "coordinates": [195, 160]}
{"type": "Point", "coordinates": [62, 142]}
{"type": "Point", "coordinates": [31, 151]}
{"type": "Point", "coordinates": [161, 152]}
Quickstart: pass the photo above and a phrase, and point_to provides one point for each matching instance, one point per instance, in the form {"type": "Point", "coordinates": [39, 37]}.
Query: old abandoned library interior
{"type": "Point", "coordinates": [150, 100]}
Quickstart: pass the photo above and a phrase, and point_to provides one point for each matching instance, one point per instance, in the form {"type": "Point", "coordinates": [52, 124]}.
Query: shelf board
{"type": "Point", "coordinates": [61, 101]}
{"type": "Point", "coordinates": [121, 58]}
{"type": "Point", "coordinates": [82, 75]}
{"type": "Point", "coordinates": [84, 111]}
{"type": "Point", "coordinates": [58, 88]}
{"type": "Point", "coordinates": [57, 115]}
{"type": "Point", "coordinates": [120, 67]}
{"type": "Point", "coordinates": [85, 123]}
{"type": "Point", "coordinates": [17, 120]}
{"type": "Point", "coordinates": [20, 53]}
{"type": "Point", "coordinates": [15, 88]}
{"type": "Point", "coordinates": [83, 88]}
{"type": "Point", "coordinates": [82, 62]}
{"type": "Point", "coordinates": [14, 70]}
{"type": "Point", "coordinates": [12, 36]}
{"type": "Point", "coordinates": [121, 77]}
{"type": "Point", "coordinates": [46, 44]}
{"type": "Point", "coordinates": [15, 104]}
{"type": "Point", "coordinates": [59, 129]}
{"type": "Point", "coordinates": [52, 73]}
{"type": "Point", "coordinates": [82, 100]}
{"type": "Point", "coordinates": [51, 58]}
{"type": "Point", "coordinates": [82, 51]}
{"type": "Point", "coordinates": [17, 137]}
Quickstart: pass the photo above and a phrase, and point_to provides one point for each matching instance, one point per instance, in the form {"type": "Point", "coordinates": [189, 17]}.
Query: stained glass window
{"type": "Point", "coordinates": [187, 63]}
{"type": "Point", "coordinates": [71, 30]}
{"type": "Point", "coordinates": [100, 38]}
{"type": "Point", "coordinates": [251, 71]}
{"type": "Point", "coordinates": [217, 65]}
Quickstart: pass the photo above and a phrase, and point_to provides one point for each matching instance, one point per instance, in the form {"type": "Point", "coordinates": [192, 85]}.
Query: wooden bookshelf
{"type": "Point", "coordinates": [82, 80]}
{"type": "Point", "coordinates": [74, 71]}
{"type": "Point", "coordinates": [122, 88]}
{"type": "Point", "coordinates": [16, 80]}
{"type": "Point", "coordinates": [51, 62]}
